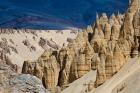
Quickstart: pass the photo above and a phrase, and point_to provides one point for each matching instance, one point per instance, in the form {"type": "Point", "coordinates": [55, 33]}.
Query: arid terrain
{"type": "Point", "coordinates": [102, 58]}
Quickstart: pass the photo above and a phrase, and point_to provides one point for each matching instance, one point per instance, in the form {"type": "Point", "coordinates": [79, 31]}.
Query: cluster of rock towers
{"type": "Point", "coordinates": [105, 46]}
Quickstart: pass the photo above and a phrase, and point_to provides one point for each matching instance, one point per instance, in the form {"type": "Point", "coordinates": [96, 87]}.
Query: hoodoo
{"type": "Point", "coordinates": [78, 61]}
{"type": "Point", "coordinates": [105, 47]}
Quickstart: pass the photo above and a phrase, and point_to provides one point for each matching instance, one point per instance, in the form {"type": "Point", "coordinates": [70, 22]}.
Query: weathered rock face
{"type": "Point", "coordinates": [107, 31]}
{"type": "Point", "coordinates": [11, 82]}
{"type": "Point", "coordinates": [5, 60]}
{"type": "Point", "coordinates": [106, 47]}
{"type": "Point", "coordinates": [75, 60]}
{"type": "Point", "coordinates": [130, 17]}
{"type": "Point", "coordinates": [119, 46]}
{"type": "Point", "coordinates": [46, 68]}
{"type": "Point", "coordinates": [28, 45]}
{"type": "Point", "coordinates": [135, 50]}
{"type": "Point", "coordinates": [112, 50]}
{"type": "Point", "coordinates": [45, 44]}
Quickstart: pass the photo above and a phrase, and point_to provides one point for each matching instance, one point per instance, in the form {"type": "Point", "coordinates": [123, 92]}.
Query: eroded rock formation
{"type": "Point", "coordinates": [105, 46]}
{"type": "Point", "coordinates": [11, 82]}
{"type": "Point", "coordinates": [46, 68]}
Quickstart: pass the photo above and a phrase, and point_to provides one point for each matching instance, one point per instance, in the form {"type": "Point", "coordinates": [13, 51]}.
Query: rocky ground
{"type": "Point", "coordinates": [11, 82]}
{"type": "Point", "coordinates": [104, 57]}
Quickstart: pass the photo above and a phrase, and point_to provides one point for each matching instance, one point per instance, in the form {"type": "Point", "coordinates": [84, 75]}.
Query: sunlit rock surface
{"type": "Point", "coordinates": [106, 48]}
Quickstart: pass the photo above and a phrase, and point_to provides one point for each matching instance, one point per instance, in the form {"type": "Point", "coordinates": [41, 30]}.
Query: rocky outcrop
{"type": "Point", "coordinates": [105, 46]}
{"type": "Point", "coordinates": [5, 60]}
{"type": "Point", "coordinates": [11, 82]}
{"type": "Point", "coordinates": [112, 51]}
{"type": "Point", "coordinates": [75, 60]}
{"type": "Point", "coordinates": [45, 44]}
{"type": "Point", "coordinates": [72, 63]}
{"type": "Point", "coordinates": [45, 68]}
{"type": "Point", "coordinates": [28, 45]}
{"type": "Point", "coordinates": [128, 27]}
{"type": "Point", "coordinates": [42, 43]}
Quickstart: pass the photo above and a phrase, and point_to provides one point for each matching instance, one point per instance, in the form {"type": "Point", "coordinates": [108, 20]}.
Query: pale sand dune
{"type": "Point", "coordinates": [127, 80]}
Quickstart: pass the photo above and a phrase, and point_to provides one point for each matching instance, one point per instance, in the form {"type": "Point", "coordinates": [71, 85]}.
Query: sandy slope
{"type": "Point", "coordinates": [24, 52]}
{"type": "Point", "coordinates": [81, 85]}
{"type": "Point", "coordinates": [127, 80]}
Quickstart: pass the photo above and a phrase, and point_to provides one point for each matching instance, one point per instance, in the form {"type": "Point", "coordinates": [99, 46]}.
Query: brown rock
{"type": "Point", "coordinates": [107, 31]}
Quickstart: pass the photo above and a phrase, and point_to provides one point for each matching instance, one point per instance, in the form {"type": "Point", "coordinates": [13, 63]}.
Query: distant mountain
{"type": "Point", "coordinates": [55, 14]}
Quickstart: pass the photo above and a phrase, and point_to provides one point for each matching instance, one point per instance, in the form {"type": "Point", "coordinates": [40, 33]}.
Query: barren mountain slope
{"type": "Point", "coordinates": [21, 45]}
